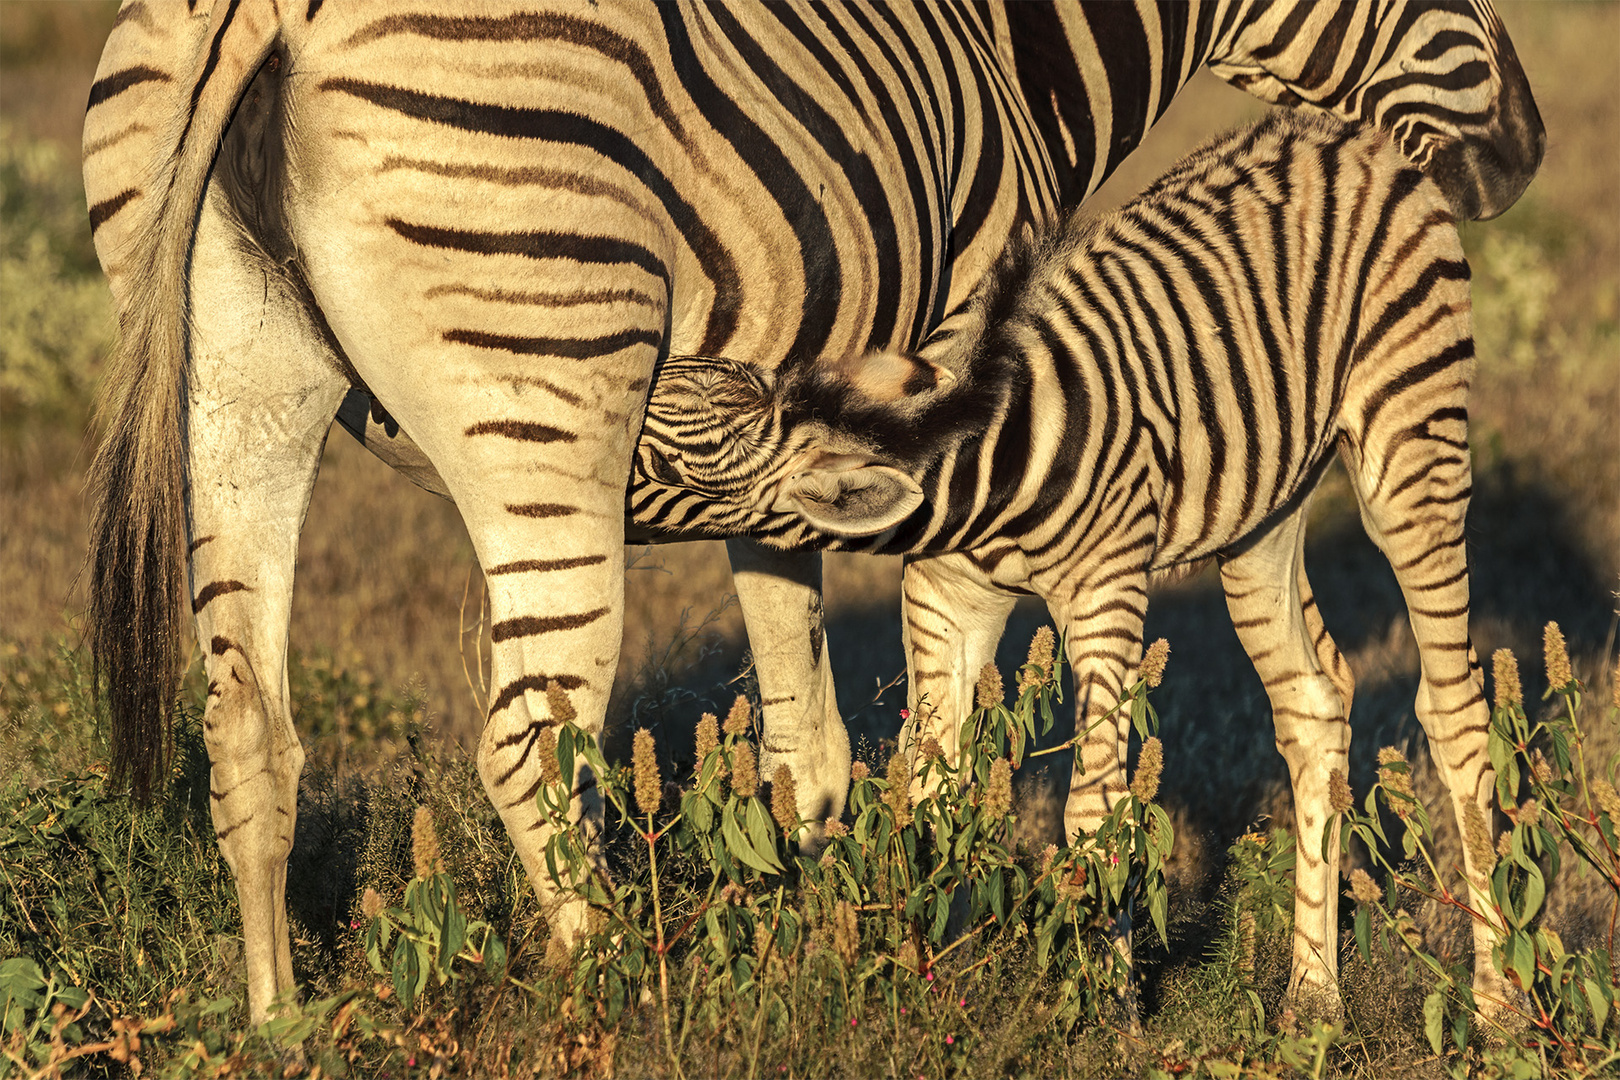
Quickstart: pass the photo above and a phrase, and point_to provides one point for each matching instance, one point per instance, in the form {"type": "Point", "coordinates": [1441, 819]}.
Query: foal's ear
{"type": "Point", "coordinates": [892, 376]}
{"type": "Point", "coordinates": [849, 495]}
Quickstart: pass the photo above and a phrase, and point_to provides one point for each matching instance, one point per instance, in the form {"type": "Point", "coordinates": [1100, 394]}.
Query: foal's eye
{"type": "Point", "coordinates": [662, 469]}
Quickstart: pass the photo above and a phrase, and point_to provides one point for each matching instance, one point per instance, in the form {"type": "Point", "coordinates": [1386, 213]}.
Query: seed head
{"type": "Point", "coordinates": [425, 843]}
{"type": "Point", "coordinates": [644, 766]}
{"type": "Point", "coordinates": [371, 904]}
{"type": "Point", "coordinates": [1539, 769]}
{"type": "Point", "coordinates": [708, 737]}
{"type": "Point", "coordinates": [835, 828]}
{"type": "Point", "coordinates": [1504, 845]}
{"type": "Point", "coordinates": [1152, 666]}
{"type": "Point", "coordinates": [899, 794]}
{"type": "Point", "coordinates": [562, 710]}
{"type": "Point", "coordinates": [1339, 794]}
{"type": "Point", "coordinates": [1552, 646]}
{"type": "Point", "coordinates": [545, 746]}
{"type": "Point", "coordinates": [1364, 888]}
{"type": "Point", "coordinates": [1608, 801]}
{"type": "Point", "coordinates": [744, 771]}
{"type": "Point", "coordinates": [907, 956]}
{"type": "Point", "coordinates": [1048, 856]}
{"type": "Point", "coordinates": [784, 800]}
{"type": "Point", "coordinates": [846, 932]}
{"type": "Point", "coordinates": [1478, 837]}
{"type": "Point", "coordinates": [1505, 673]}
{"type": "Point", "coordinates": [1396, 776]}
{"type": "Point", "coordinates": [998, 791]}
{"type": "Point", "coordinates": [858, 771]}
{"type": "Point", "coordinates": [762, 940]}
{"type": "Point", "coordinates": [1041, 648]}
{"type": "Point", "coordinates": [989, 693]}
{"type": "Point", "coordinates": [1149, 768]}
{"type": "Point", "coordinates": [737, 719]}
{"type": "Point", "coordinates": [1072, 885]}
{"type": "Point", "coordinates": [1039, 662]}
{"type": "Point", "coordinates": [931, 750]}
{"type": "Point", "coordinates": [1529, 813]}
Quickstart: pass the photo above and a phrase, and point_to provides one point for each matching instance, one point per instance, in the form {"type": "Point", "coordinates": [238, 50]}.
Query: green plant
{"type": "Point", "coordinates": [58, 314]}
{"type": "Point", "coordinates": [429, 931]}
{"type": "Point", "coordinates": [909, 903]}
{"type": "Point", "coordinates": [1564, 1012]}
{"type": "Point", "coordinates": [39, 1015]}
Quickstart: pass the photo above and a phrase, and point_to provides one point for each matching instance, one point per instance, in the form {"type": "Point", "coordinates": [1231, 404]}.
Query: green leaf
{"type": "Point", "coordinates": [699, 812]}
{"type": "Point", "coordinates": [738, 846]}
{"type": "Point", "coordinates": [1535, 890]}
{"type": "Point", "coordinates": [1599, 1000]}
{"type": "Point", "coordinates": [406, 969]}
{"type": "Point", "coordinates": [1522, 953]}
{"type": "Point", "coordinates": [1364, 932]}
{"type": "Point", "coordinates": [1159, 908]}
{"type": "Point", "coordinates": [453, 934]}
{"type": "Point", "coordinates": [1434, 1016]}
{"type": "Point", "coordinates": [377, 935]}
{"type": "Point", "coordinates": [494, 954]}
{"type": "Point", "coordinates": [762, 831]}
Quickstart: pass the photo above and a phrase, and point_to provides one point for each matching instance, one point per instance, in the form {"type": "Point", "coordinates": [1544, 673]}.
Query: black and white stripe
{"type": "Point", "coordinates": [488, 228]}
{"type": "Point", "coordinates": [1165, 384]}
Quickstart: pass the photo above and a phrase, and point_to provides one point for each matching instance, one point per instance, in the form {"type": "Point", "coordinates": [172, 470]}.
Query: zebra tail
{"type": "Point", "coordinates": [138, 531]}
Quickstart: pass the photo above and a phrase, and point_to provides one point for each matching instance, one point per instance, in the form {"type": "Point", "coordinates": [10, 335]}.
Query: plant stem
{"type": "Point", "coordinates": [663, 959]}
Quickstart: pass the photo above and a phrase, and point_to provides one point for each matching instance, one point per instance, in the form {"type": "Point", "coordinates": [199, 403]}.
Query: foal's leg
{"type": "Point", "coordinates": [952, 618]}
{"type": "Point", "coordinates": [1414, 495]}
{"type": "Point", "coordinates": [780, 594]}
{"type": "Point", "coordinates": [1269, 598]}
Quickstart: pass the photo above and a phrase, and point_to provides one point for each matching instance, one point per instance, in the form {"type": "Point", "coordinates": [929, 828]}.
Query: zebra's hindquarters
{"type": "Point", "coordinates": [508, 299]}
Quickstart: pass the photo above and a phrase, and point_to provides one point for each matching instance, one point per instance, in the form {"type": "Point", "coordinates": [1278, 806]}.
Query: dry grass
{"type": "Point", "coordinates": [383, 566]}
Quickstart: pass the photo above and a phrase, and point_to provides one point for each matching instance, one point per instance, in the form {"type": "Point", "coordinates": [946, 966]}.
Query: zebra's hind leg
{"type": "Point", "coordinates": [1414, 483]}
{"type": "Point", "coordinates": [1309, 687]}
{"type": "Point", "coordinates": [780, 594]}
{"type": "Point", "coordinates": [263, 389]}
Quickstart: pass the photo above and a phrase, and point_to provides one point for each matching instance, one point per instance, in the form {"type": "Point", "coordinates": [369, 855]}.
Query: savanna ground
{"type": "Point", "coordinates": [386, 668]}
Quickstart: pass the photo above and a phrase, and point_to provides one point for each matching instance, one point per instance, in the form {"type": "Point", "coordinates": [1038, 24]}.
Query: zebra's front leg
{"type": "Point", "coordinates": [952, 618]}
{"type": "Point", "coordinates": [780, 595]}
{"type": "Point", "coordinates": [1309, 687]}
{"type": "Point", "coordinates": [263, 390]}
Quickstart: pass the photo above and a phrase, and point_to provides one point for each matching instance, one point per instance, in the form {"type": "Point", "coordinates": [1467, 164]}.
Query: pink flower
{"type": "Point", "coordinates": [902, 1010]}
{"type": "Point", "coordinates": [962, 1004]}
{"type": "Point", "coordinates": [853, 1021]}
{"type": "Point", "coordinates": [905, 714]}
{"type": "Point", "coordinates": [930, 976]}
{"type": "Point", "coordinates": [950, 1040]}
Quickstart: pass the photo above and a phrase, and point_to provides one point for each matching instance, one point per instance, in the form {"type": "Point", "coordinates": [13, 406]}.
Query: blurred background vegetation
{"type": "Point", "coordinates": [388, 585]}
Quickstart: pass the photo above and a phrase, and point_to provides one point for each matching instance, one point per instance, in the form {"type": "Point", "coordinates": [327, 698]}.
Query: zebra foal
{"type": "Point", "coordinates": [1163, 385]}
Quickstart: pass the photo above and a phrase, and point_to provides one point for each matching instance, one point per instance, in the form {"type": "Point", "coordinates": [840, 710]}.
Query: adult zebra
{"type": "Point", "coordinates": [1162, 385]}
{"type": "Point", "coordinates": [499, 223]}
